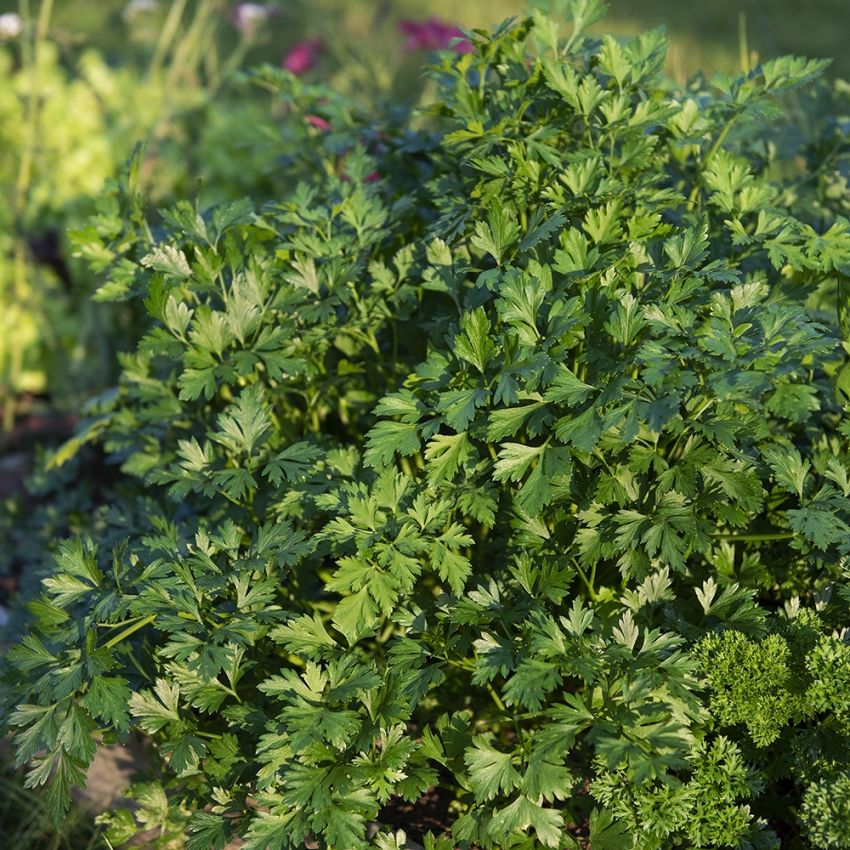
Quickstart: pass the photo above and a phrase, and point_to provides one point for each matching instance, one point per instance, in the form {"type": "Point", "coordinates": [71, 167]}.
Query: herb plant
{"type": "Point", "coordinates": [506, 456]}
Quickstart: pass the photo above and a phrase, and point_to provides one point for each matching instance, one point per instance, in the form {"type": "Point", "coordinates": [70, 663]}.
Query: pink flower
{"type": "Point", "coordinates": [303, 56]}
{"type": "Point", "coordinates": [433, 34]}
{"type": "Point", "coordinates": [318, 122]}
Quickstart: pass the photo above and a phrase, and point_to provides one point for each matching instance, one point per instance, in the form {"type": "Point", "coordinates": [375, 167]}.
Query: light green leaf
{"type": "Point", "coordinates": [514, 461]}
{"type": "Point", "coordinates": [444, 454]}
{"type": "Point", "coordinates": [474, 344]}
{"type": "Point", "coordinates": [355, 615]}
{"type": "Point", "coordinates": [491, 772]}
{"type": "Point", "coordinates": [388, 438]}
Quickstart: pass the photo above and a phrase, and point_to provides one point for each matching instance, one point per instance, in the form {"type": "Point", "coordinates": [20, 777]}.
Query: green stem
{"type": "Point", "coordinates": [166, 35]}
{"type": "Point", "coordinates": [228, 690]}
{"type": "Point", "coordinates": [461, 665]}
{"type": "Point", "coordinates": [743, 48]}
{"type": "Point", "coordinates": [134, 661]}
{"type": "Point", "coordinates": [32, 58]}
{"type": "Point", "coordinates": [588, 582]}
{"type": "Point", "coordinates": [755, 538]}
{"type": "Point", "coordinates": [496, 698]}
{"type": "Point", "coordinates": [692, 198]}
{"type": "Point", "coordinates": [233, 61]}
{"type": "Point", "coordinates": [25, 166]}
{"type": "Point", "coordinates": [130, 630]}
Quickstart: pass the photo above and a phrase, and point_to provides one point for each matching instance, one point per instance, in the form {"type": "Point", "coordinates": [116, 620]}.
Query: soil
{"type": "Point", "coordinates": [430, 813]}
{"type": "Point", "coordinates": [109, 776]}
{"type": "Point", "coordinates": [18, 445]}
{"type": "Point", "coordinates": [35, 425]}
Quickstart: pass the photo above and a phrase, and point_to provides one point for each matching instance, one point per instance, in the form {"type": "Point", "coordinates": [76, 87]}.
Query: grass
{"type": "Point", "coordinates": [25, 824]}
{"type": "Point", "coordinates": [703, 35]}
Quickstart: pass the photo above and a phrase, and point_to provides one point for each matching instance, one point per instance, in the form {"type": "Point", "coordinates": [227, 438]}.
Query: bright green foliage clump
{"type": "Point", "coordinates": [507, 455]}
{"type": "Point", "coordinates": [826, 811]}
{"type": "Point", "coordinates": [753, 683]}
{"type": "Point", "coordinates": [65, 130]}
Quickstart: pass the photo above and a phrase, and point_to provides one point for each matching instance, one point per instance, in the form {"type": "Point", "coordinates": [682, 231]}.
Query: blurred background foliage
{"type": "Point", "coordinates": [705, 36]}
{"type": "Point", "coordinates": [86, 79]}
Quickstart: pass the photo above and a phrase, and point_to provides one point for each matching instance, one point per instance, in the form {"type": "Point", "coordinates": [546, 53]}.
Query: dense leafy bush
{"type": "Point", "coordinates": [505, 456]}
{"type": "Point", "coordinates": [66, 129]}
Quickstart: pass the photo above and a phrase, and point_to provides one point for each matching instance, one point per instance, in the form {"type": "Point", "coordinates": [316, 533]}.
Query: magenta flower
{"type": "Point", "coordinates": [433, 34]}
{"type": "Point", "coordinates": [318, 122]}
{"type": "Point", "coordinates": [303, 56]}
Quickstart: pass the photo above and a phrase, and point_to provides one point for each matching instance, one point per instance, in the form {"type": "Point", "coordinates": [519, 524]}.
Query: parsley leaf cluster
{"type": "Point", "coordinates": [506, 453]}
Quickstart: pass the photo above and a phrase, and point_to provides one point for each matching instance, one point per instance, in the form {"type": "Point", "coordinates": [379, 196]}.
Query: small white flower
{"type": "Point", "coordinates": [246, 16]}
{"type": "Point", "coordinates": [138, 7]}
{"type": "Point", "coordinates": [11, 26]}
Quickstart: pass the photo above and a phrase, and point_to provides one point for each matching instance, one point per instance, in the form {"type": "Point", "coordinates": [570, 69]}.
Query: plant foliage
{"type": "Point", "coordinates": [507, 454]}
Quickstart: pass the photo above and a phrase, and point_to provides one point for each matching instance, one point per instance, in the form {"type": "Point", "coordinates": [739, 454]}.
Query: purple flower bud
{"type": "Point", "coordinates": [303, 56]}
{"type": "Point", "coordinates": [433, 34]}
{"type": "Point", "coordinates": [318, 122]}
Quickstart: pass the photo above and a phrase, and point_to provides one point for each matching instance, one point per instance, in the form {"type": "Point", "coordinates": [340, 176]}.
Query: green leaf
{"type": "Point", "coordinates": [388, 438]}
{"type": "Point", "coordinates": [490, 772]}
{"type": "Point", "coordinates": [184, 754]}
{"type": "Point", "coordinates": [789, 469]}
{"type": "Point", "coordinates": [246, 425]}
{"type": "Point", "coordinates": [355, 615]}
{"type": "Point", "coordinates": [108, 699]}
{"type": "Point", "coordinates": [304, 635]}
{"type": "Point", "coordinates": [540, 229]}
{"type": "Point", "coordinates": [444, 454]}
{"type": "Point", "coordinates": [293, 464]}
{"type": "Point", "coordinates": [566, 387]}
{"type": "Point", "coordinates": [169, 260]}
{"type": "Point", "coordinates": [547, 777]}
{"type": "Point", "coordinates": [514, 460]}
{"type": "Point", "coordinates": [156, 710]}
{"type": "Point", "coordinates": [521, 815]}
{"type": "Point", "coordinates": [269, 832]}
{"type": "Point", "coordinates": [61, 772]}
{"type": "Point", "coordinates": [474, 343]}
{"type": "Point", "coordinates": [534, 680]}
{"type": "Point", "coordinates": [208, 832]}
{"type": "Point", "coordinates": [584, 14]}
{"type": "Point", "coordinates": [507, 421]}
{"type": "Point", "coordinates": [608, 834]}
{"type": "Point", "coordinates": [498, 234]}
{"type": "Point", "coordinates": [88, 433]}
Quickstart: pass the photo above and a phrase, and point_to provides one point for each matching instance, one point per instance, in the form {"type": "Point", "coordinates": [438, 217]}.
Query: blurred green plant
{"type": "Point", "coordinates": [65, 127]}
{"type": "Point", "coordinates": [67, 123]}
{"type": "Point", "coordinates": [25, 822]}
{"type": "Point", "coordinates": [68, 120]}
